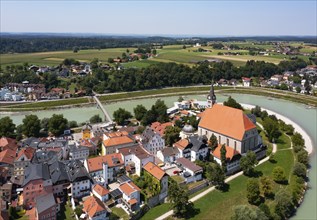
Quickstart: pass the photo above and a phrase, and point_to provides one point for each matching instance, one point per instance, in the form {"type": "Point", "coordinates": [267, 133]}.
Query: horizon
{"type": "Point", "coordinates": [161, 18]}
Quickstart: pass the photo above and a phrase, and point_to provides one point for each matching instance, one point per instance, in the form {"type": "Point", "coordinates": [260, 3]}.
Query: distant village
{"type": "Point", "coordinates": [25, 91]}
{"type": "Point", "coordinates": [97, 169]}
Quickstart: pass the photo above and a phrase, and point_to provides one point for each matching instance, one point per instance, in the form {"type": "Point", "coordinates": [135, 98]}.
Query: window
{"type": "Point", "coordinates": [219, 139]}
{"type": "Point", "coordinates": [235, 145]}
{"type": "Point", "coordinates": [227, 141]}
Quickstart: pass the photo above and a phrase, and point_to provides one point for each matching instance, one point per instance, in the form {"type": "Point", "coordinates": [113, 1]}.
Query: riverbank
{"type": "Point", "coordinates": [308, 141]}
{"type": "Point", "coordinates": [189, 90]}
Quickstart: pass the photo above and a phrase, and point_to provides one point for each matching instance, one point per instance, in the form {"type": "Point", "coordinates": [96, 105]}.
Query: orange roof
{"type": "Point", "coordinates": [200, 115]}
{"type": "Point", "coordinates": [92, 206]}
{"type": "Point", "coordinates": [182, 144]}
{"type": "Point", "coordinates": [113, 141]}
{"type": "Point", "coordinates": [27, 152]}
{"type": "Point", "coordinates": [101, 190]}
{"type": "Point", "coordinates": [160, 128]}
{"type": "Point", "coordinates": [133, 201]}
{"type": "Point", "coordinates": [117, 134]}
{"type": "Point", "coordinates": [7, 142]}
{"type": "Point", "coordinates": [229, 154]}
{"type": "Point", "coordinates": [128, 188]}
{"type": "Point", "coordinates": [95, 164]}
{"type": "Point", "coordinates": [225, 120]}
{"type": "Point", "coordinates": [7, 156]}
{"type": "Point", "coordinates": [155, 170]}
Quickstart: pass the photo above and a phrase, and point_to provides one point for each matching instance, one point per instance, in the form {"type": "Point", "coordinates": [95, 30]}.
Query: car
{"type": "Point", "coordinates": [176, 172]}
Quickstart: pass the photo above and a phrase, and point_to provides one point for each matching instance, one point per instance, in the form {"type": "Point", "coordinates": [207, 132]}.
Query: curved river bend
{"type": "Point", "coordinates": [306, 118]}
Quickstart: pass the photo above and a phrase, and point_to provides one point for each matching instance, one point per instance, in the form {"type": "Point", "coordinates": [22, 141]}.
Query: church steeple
{"type": "Point", "coordinates": [211, 96]}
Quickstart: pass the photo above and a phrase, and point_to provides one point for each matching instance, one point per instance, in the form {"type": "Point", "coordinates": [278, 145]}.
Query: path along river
{"type": "Point", "coordinates": [304, 117]}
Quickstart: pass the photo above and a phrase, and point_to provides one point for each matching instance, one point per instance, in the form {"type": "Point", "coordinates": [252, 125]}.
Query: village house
{"type": "Point", "coordinates": [246, 82]}
{"type": "Point", "coordinates": [160, 175]}
{"type": "Point", "coordinates": [95, 209]}
{"type": "Point", "coordinates": [7, 158]}
{"type": "Point", "coordinates": [104, 169]}
{"type": "Point", "coordinates": [168, 154]}
{"type": "Point", "coordinates": [232, 158]}
{"type": "Point", "coordinates": [37, 182]}
{"type": "Point", "coordinates": [6, 143]}
{"type": "Point", "coordinates": [23, 160]}
{"type": "Point", "coordinates": [101, 192]}
{"type": "Point", "coordinates": [116, 140]}
{"type": "Point", "coordinates": [152, 141]}
{"type": "Point", "coordinates": [130, 196]}
{"type": "Point", "coordinates": [190, 171]}
{"type": "Point", "coordinates": [277, 77]}
{"type": "Point", "coordinates": [59, 177]}
{"type": "Point", "coordinates": [80, 183]}
{"type": "Point", "coordinates": [78, 152]}
{"type": "Point", "coordinates": [46, 207]}
{"type": "Point", "coordinates": [193, 147]}
{"type": "Point", "coordinates": [135, 158]}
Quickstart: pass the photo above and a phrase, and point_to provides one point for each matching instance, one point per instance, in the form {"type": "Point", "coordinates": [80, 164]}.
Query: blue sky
{"type": "Point", "coordinates": [217, 18]}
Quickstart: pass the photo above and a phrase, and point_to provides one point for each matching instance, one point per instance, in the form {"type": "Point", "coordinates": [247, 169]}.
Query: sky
{"type": "Point", "coordinates": [196, 18]}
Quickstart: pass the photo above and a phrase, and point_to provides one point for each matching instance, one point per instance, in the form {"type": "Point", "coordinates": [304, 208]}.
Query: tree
{"type": "Point", "coordinates": [244, 212]}
{"type": "Point", "coordinates": [160, 109]}
{"type": "Point", "coordinates": [272, 129]}
{"type": "Point", "coordinates": [19, 134]}
{"type": "Point", "coordinates": [298, 140]}
{"type": "Point", "coordinates": [75, 49]}
{"type": "Point", "coordinates": [7, 127]}
{"type": "Point", "coordinates": [284, 205]}
{"type": "Point", "coordinates": [79, 210]}
{"type": "Point", "coordinates": [180, 99]}
{"type": "Point", "coordinates": [57, 124]}
{"type": "Point", "coordinates": [121, 115]}
{"type": "Point", "coordinates": [248, 162]}
{"type": "Point", "coordinates": [213, 142]}
{"type": "Point", "coordinates": [266, 186]}
{"type": "Point", "coordinates": [256, 111]}
{"type": "Point", "coordinates": [31, 126]}
{"type": "Point", "coordinates": [302, 157]}
{"type": "Point", "coordinates": [232, 103]}
{"type": "Point", "coordinates": [266, 210]}
{"type": "Point", "coordinates": [95, 119]}
{"type": "Point", "coordinates": [278, 174]}
{"type": "Point", "coordinates": [298, 89]}
{"type": "Point", "coordinates": [139, 112]}
{"type": "Point", "coordinates": [215, 175]}
{"type": "Point", "coordinates": [184, 47]}
{"type": "Point", "coordinates": [223, 157]}
{"type": "Point", "coordinates": [44, 123]}
{"type": "Point", "coordinates": [149, 117]}
{"type": "Point", "coordinates": [171, 135]}
{"type": "Point", "coordinates": [179, 198]}
{"type": "Point", "coordinates": [300, 170]}
{"type": "Point", "coordinates": [72, 124]}
{"type": "Point", "coordinates": [253, 191]}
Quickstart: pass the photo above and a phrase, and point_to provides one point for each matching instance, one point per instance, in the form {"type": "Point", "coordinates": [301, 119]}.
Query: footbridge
{"type": "Point", "coordinates": [104, 111]}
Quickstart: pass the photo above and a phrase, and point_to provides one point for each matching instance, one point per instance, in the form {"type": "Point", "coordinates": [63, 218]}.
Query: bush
{"type": "Point", "coordinates": [278, 174]}
{"type": "Point", "coordinates": [300, 170]}
{"type": "Point", "coordinates": [302, 157]}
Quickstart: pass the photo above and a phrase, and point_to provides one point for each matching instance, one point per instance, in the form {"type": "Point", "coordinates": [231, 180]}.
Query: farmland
{"type": "Point", "coordinates": [171, 53]}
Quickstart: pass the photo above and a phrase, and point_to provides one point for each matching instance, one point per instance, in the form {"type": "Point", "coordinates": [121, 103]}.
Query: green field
{"type": "Point", "coordinates": [172, 53]}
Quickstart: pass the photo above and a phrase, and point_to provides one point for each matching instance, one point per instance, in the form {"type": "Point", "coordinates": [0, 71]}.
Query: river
{"type": "Point", "coordinates": [306, 118]}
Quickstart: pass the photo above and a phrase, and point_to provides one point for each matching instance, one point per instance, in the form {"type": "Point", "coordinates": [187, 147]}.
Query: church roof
{"type": "Point", "coordinates": [227, 121]}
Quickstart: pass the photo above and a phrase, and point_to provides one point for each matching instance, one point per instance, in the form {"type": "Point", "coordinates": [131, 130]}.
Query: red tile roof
{"type": "Point", "coordinates": [227, 121]}
{"type": "Point", "coordinates": [182, 144]}
{"type": "Point", "coordinates": [160, 128]}
{"type": "Point", "coordinates": [28, 152]}
{"type": "Point", "coordinates": [128, 188]}
{"type": "Point", "coordinates": [155, 170]}
{"type": "Point", "coordinates": [7, 156]}
{"type": "Point", "coordinates": [229, 154]}
{"type": "Point", "coordinates": [113, 141]}
{"type": "Point", "coordinates": [92, 206]}
{"type": "Point", "coordinates": [95, 164]}
{"type": "Point", "coordinates": [8, 142]}
{"type": "Point", "coordinates": [101, 190]}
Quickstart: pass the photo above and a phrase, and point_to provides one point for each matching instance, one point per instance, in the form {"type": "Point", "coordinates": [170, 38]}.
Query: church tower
{"type": "Point", "coordinates": [211, 99]}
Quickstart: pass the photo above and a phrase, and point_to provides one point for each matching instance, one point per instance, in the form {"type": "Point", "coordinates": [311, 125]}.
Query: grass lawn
{"type": "Point", "coordinates": [178, 179]}
{"type": "Point", "coordinates": [66, 212]}
{"type": "Point", "coordinates": [156, 211]}
{"type": "Point", "coordinates": [283, 142]}
{"type": "Point", "coordinates": [118, 213]}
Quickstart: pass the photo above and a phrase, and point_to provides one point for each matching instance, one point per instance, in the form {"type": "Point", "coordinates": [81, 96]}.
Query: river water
{"type": "Point", "coordinates": [306, 118]}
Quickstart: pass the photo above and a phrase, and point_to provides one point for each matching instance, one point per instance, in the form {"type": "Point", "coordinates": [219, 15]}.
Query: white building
{"type": "Point", "coordinates": [191, 171]}
{"type": "Point", "coordinates": [246, 82]}
{"type": "Point", "coordinates": [135, 158]}
{"type": "Point", "coordinates": [101, 192]}
{"type": "Point", "coordinates": [152, 141]}
{"type": "Point", "coordinates": [168, 154]}
{"type": "Point", "coordinates": [78, 152]}
{"type": "Point", "coordinates": [130, 195]}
